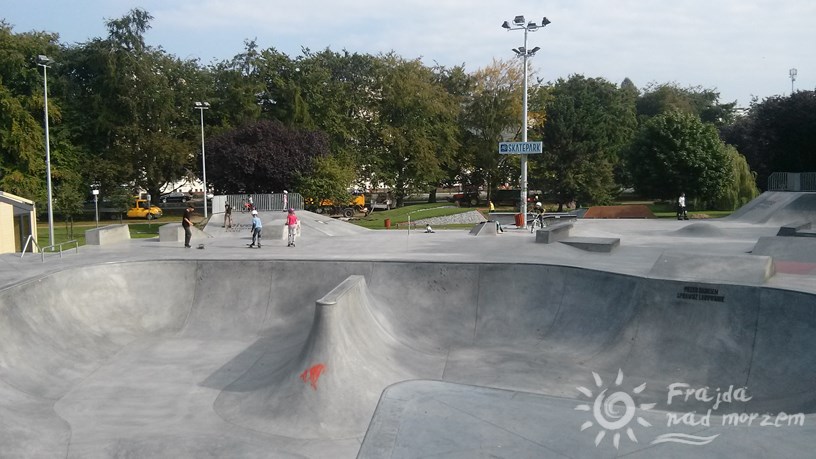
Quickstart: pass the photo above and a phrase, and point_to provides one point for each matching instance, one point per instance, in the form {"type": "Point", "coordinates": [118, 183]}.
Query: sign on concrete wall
{"type": "Point", "coordinates": [520, 148]}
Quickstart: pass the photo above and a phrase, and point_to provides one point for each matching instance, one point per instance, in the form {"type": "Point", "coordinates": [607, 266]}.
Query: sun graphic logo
{"type": "Point", "coordinates": [613, 409]}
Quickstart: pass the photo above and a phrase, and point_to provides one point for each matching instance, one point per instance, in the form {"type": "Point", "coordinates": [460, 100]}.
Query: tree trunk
{"type": "Point", "coordinates": [432, 196]}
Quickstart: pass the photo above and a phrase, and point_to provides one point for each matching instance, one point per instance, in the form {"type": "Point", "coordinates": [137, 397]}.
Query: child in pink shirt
{"type": "Point", "coordinates": [293, 223]}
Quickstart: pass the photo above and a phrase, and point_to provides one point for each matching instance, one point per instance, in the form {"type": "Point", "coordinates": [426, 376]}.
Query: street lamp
{"type": "Point", "coordinates": [95, 192]}
{"type": "Point", "coordinates": [201, 106]}
{"type": "Point", "coordinates": [792, 74]}
{"type": "Point", "coordinates": [43, 61]}
{"type": "Point", "coordinates": [519, 23]}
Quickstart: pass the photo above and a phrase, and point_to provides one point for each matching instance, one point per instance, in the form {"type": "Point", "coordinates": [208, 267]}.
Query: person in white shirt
{"type": "Point", "coordinates": [681, 207]}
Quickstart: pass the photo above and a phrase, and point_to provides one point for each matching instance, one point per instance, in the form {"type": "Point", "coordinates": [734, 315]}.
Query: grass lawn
{"type": "Point", "coordinates": [400, 216]}
{"type": "Point", "coordinates": [667, 210]}
{"type": "Point", "coordinates": [139, 229]}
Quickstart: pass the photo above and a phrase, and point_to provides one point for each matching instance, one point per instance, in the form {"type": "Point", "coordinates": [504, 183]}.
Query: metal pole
{"type": "Point", "coordinates": [524, 139]}
{"type": "Point", "coordinates": [96, 208]}
{"type": "Point", "coordinates": [48, 161]}
{"type": "Point", "coordinates": [203, 161]}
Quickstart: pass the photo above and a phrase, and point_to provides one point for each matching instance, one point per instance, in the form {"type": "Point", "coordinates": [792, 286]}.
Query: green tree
{"type": "Point", "coordinates": [676, 152]}
{"type": "Point", "coordinates": [588, 121]}
{"type": "Point", "coordinates": [704, 103]}
{"type": "Point", "coordinates": [415, 120]}
{"type": "Point", "coordinates": [22, 136]}
{"type": "Point", "coordinates": [491, 115]}
{"type": "Point", "coordinates": [777, 135]}
{"type": "Point", "coordinates": [743, 187]}
{"type": "Point", "coordinates": [131, 107]}
{"type": "Point", "coordinates": [330, 179]}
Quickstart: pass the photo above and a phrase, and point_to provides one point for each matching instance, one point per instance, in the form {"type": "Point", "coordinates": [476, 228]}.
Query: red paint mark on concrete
{"type": "Point", "coordinates": [312, 374]}
{"type": "Point", "coordinates": [794, 267]}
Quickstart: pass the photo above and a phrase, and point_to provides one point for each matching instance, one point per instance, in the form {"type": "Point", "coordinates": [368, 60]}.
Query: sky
{"type": "Point", "coordinates": [742, 49]}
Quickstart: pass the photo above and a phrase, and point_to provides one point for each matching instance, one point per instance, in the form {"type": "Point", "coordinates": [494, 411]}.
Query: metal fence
{"type": "Point", "coordinates": [792, 181]}
{"type": "Point", "coordinates": [262, 202]}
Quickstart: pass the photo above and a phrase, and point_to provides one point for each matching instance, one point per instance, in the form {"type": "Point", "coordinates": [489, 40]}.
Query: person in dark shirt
{"type": "Point", "coordinates": [227, 216]}
{"type": "Point", "coordinates": [187, 223]}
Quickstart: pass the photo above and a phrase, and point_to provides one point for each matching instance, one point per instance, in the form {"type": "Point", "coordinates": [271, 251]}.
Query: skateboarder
{"type": "Point", "coordinates": [186, 222]}
{"type": "Point", "coordinates": [227, 216]}
{"type": "Point", "coordinates": [256, 229]}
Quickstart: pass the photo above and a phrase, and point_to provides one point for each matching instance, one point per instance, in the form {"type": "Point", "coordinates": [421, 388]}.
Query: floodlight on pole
{"type": "Point", "coordinates": [201, 106]}
{"type": "Point", "coordinates": [43, 61]}
{"type": "Point", "coordinates": [792, 74]}
{"type": "Point", "coordinates": [524, 53]}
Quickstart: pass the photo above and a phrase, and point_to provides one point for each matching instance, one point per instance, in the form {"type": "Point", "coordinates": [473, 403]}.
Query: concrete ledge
{"type": "Point", "coordinates": [593, 244]}
{"type": "Point", "coordinates": [174, 232]}
{"type": "Point", "coordinates": [487, 228]}
{"type": "Point", "coordinates": [105, 235]}
{"type": "Point", "coordinates": [792, 229]}
{"type": "Point", "coordinates": [802, 249]}
{"type": "Point", "coordinates": [553, 233]}
{"type": "Point", "coordinates": [704, 267]}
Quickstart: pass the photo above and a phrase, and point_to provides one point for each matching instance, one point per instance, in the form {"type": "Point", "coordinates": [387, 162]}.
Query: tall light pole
{"type": "Point", "coordinates": [201, 106]}
{"type": "Point", "coordinates": [792, 74]}
{"type": "Point", "coordinates": [95, 192]}
{"type": "Point", "coordinates": [519, 23]}
{"type": "Point", "coordinates": [43, 61]}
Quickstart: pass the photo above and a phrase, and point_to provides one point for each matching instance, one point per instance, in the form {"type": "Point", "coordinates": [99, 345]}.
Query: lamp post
{"type": "Point", "coordinates": [43, 61]}
{"type": "Point", "coordinates": [792, 74]}
{"type": "Point", "coordinates": [519, 23]}
{"type": "Point", "coordinates": [95, 192]}
{"type": "Point", "coordinates": [201, 106]}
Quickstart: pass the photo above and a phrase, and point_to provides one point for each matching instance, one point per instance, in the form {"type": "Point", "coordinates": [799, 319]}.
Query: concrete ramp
{"type": "Point", "coordinates": [777, 207]}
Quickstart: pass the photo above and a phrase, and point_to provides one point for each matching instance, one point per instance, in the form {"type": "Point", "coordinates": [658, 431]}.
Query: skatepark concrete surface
{"type": "Point", "coordinates": [687, 339]}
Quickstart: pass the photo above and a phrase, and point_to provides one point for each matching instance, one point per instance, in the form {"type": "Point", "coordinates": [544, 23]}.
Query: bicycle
{"type": "Point", "coordinates": [537, 222]}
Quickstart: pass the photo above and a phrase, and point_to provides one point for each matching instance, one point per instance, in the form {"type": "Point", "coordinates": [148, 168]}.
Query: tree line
{"type": "Point", "coordinates": [122, 115]}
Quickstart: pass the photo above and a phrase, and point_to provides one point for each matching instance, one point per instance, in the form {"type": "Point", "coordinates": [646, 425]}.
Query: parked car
{"type": "Point", "coordinates": [176, 196]}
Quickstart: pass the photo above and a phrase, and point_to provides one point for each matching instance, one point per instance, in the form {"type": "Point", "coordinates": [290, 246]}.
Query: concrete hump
{"type": "Point", "coordinates": [484, 229]}
{"type": "Point", "coordinates": [700, 229]}
{"type": "Point", "coordinates": [593, 244]}
{"type": "Point", "coordinates": [331, 388]}
{"type": "Point", "coordinates": [738, 269]}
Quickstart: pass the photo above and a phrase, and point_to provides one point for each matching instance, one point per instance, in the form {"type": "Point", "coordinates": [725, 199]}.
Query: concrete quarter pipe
{"type": "Point", "coordinates": [223, 358]}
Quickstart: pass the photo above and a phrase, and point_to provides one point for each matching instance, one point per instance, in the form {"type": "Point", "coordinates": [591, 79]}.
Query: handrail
{"type": "Point", "coordinates": [45, 249]}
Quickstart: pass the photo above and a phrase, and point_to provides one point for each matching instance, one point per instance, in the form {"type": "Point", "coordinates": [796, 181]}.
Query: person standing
{"type": "Point", "coordinates": [292, 222]}
{"type": "Point", "coordinates": [285, 200]}
{"type": "Point", "coordinates": [681, 207]}
{"type": "Point", "coordinates": [227, 216]}
{"type": "Point", "coordinates": [256, 229]}
{"type": "Point", "coordinates": [187, 223]}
